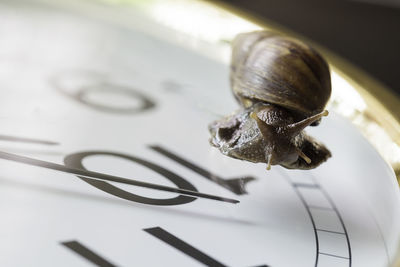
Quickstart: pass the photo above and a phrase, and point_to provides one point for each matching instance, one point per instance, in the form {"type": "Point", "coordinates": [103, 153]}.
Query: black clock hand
{"type": "Point", "coordinates": [107, 177]}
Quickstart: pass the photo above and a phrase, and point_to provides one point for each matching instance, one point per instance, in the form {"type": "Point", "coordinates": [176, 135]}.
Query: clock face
{"type": "Point", "coordinates": [85, 93]}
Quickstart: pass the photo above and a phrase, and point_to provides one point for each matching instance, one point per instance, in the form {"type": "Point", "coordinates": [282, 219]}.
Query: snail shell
{"type": "Point", "coordinates": [270, 68]}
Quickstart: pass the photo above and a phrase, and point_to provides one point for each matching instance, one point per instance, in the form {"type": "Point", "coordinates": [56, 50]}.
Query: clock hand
{"type": "Point", "coordinates": [107, 177]}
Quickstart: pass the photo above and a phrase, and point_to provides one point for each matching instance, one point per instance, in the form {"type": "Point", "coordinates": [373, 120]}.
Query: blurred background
{"type": "Point", "coordinates": [365, 32]}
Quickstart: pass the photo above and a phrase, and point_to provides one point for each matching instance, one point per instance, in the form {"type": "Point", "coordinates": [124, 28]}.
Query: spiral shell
{"type": "Point", "coordinates": [270, 68]}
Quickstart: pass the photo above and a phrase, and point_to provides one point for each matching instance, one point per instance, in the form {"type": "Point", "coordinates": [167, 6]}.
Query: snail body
{"type": "Point", "coordinates": [282, 85]}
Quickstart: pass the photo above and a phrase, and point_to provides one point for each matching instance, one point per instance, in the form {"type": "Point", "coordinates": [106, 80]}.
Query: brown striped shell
{"type": "Point", "coordinates": [271, 68]}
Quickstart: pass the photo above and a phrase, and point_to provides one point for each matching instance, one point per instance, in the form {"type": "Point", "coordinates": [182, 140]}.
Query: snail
{"type": "Point", "coordinates": [282, 86]}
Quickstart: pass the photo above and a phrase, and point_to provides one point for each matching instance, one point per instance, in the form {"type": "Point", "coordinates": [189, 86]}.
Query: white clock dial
{"type": "Point", "coordinates": [80, 91]}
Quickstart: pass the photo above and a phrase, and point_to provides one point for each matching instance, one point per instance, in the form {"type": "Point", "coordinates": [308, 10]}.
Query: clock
{"type": "Point", "coordinates": [105, 160]}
